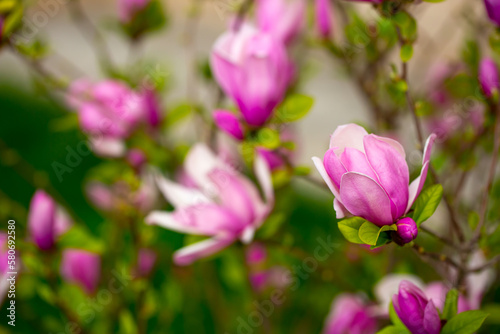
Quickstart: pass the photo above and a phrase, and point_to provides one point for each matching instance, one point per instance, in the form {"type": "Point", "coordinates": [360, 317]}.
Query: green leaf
{"type": "Point", "coordinates": [368, 233]}
{"type": "Point", "coordinates": [465, 322]}
{"type": "Point", "coordinates": [78, 237]}
{"type": "Point", "coordinates": [350, 229]}
{"type": "Point", "coordinates": [407, 25]}
{"type": "Point", "coordinates": [494, 312]}
{"type": "Point", "coordinates": [393, 330]}
{"type": "Point", "coordinates": [396, 321]}
{"type": "Point", "coordinates": [450, 304]}
{"type": "Point", "coordinates": [406, 52]}
{"type": "Point", "coordinates": [294, 108]}
{"type": "Point", "coordinates": [269, 138]}
{"type": "Point", "coordinates": [427, 203]}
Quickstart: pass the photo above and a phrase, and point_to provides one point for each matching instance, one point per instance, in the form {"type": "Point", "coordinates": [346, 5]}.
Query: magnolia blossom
{"type": "Point", "coordinates": [225, 206]}
{"type": "Point", "coordinates": [81, 267]}
{"type": "Point", "coordinates": [416, 311]}
{"type": "Point", "coordinates": [281, 18]}
{"type": "Point", "coordinates": [127, 9]}
{"type": "Point", "coordinates": [488, 76]}
{"type": "Point", "coordinates": [324, 17]}
{"type": "Point", "coordinates": [350, 315]}
{"type": "Point", "coordinates": [229, 123]}
{"type": "Point", "coordinates": [493, 9]}
{"type": "Point", "coordinates": [253, 68]}
{"type": "Point", "coordinates": [46, 220]}
{"type": "Point", "coordinates": [110, 111]}
{"type": "Point", "coordinates": [146, 260]}
{"type": "Point", "coordinates": [369, 176]}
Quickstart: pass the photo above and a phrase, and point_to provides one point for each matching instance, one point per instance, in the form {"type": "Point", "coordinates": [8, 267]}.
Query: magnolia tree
{"type": "Point", "coordinates": [222, 230]}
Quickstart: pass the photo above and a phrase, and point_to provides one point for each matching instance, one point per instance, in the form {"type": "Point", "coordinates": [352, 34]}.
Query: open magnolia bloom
{"type": "Point", "coordinates": [369, 176]}
{"type": "Point", "coordinates": [225, 205]}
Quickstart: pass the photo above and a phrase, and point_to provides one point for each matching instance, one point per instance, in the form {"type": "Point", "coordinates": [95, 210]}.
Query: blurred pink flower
{"type": "Point", "coordinates": [46, 220]}
{"type": "Point", "coordinates": [253, 68]}
{"type": "Point", "coordinates": [349, 315]}
{"type": "Point", "coordinates": [436, 291]}
{"type": "Point", "coordinates": [493, 10]}
{"type": "Point", "coordinates": [81, 267]}
{"type": "Point", "coordinates": [145, 262]}
{"type": "Point", "coordinates": [229, 123]}
{"type": "Point", "coordinates": [225, 206]}
{"type": "Point", "coordinates": [136, 158]}
{"type": "Point", "coordinates": [324, 17]}
{"type": "Point", "coordinates": [416, 310]}
{"type": "Point", "coordinates": [488, 76]}
{"type": "Point", "coordinates": [127, 9]}
{"type": "Point", "coordinates": [369, 176]}
{"type": "Point", "coordinates": [281, 18]}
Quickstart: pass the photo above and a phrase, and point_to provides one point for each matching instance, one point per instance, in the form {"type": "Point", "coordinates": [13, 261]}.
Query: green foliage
{"type": "Point", "coordinates": [294, 108]}
{"type": "Point", "coordinates": [407, 26]}
{"type": "Point", "coordinates": [450, 305]}
{"type": "Point", "coordinates": [350, 229]}
{"type": "Point", "coordinates": [150, 19]}
{"type": "Point", "coordinates": [427, 203]}
{"type": "Point", "coordinates": [393, 330]}
{"type": "Point", "coordinates": [465, 323]}
{"type": "Point", "coordinates": [406, 52]}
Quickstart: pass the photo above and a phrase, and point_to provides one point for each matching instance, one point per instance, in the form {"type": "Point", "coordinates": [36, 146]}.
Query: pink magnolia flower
{"type": "Point", "coordinates": [229, 123]}
{"type": "Point", "coordinates": [324, 17]}
{"type": "Point", "coordinates": [225, 206]}
{"type": "Point", "coordinates": [81, 267]}
{"type": "Point", "coordinates": [488, 76]}
{"type": "Point", "coordinates": [145, 262]}
{"type": "Point", "coordinates": [127, 9]}
{"type": "Point", "coordinates": [493, 10]}
{"type": "Point", "coordinates": [416, 311]}
{"type": "Point", "coordinates": [369, 176]}
{"type": "Point", "coordinates": [253, 69]}
{"type": "Point", "coordinates": [46, 220]}
{"type": "Point", "coordinates": [281, 18]}
{"type": "Point", "coordinates": [349, 315]}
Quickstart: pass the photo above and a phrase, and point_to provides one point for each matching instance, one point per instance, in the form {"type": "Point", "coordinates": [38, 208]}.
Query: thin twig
{"type": "Point", "coordinates": [435, 256]}
{"type": "Point", "coordinates": [491, 177]}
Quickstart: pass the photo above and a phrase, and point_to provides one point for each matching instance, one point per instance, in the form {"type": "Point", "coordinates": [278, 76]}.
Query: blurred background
{"type": "Point", "coordinates": [210, 296]}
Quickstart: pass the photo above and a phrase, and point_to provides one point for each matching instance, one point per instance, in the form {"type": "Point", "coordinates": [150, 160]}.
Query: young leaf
{"type": "Point", "coordinates": [465, 322]}
{"type": "Point", "coordinates": [406, 52]}
{"type": "Point", "coordinates": [427, 203]}
{"type": "Point", "coordinates": [393, 330]}
{"type": "Point", "coordinates": [294, 108]}
{"type": "Point", "coordinates": [350, 228]}
{"type": "Point", "coordinates": [450, 304]}
{"type": "Point", "coordinates": [368, 233]}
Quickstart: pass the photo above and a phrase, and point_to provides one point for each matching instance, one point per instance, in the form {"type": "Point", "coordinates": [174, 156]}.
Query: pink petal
{"type": "Point", "coordinates": [432, 323]}
{"type": "Point", "coordinates": [334, 167]}
{"type": "Point", "coordinates": [364, 197]}
{"type": "Point", "coordinates": [229, 123]}
{"type": "Point", "coordinates": [263, 174]}
{"type": "Point", "coordinates": [340, 209]}
{"type": "Point", "coordinates": [394, 143]}
{"type": "Point", "coordinates": [322, 171]}
{"type": "Point", "coordinates": [391, 169]}
{"type": "Point", "coordinates": [178, 195]}
{"type": "Point", "coordinates": [199, 162]}
{"type": "Point", "coordinates": [349, 135]}
{"type": "Point", "coordinates": [168, 220]}
{"type": "Point", "coordinates": [416, 186]}
{"type": "Point", "coordinates": [233, 194]}
{"type": "Point", "coordinates": [356, 161]}
{"type": "Point", "coordinates": [187, 255]}
{"type": "Point", "coordinates": [210, 219]}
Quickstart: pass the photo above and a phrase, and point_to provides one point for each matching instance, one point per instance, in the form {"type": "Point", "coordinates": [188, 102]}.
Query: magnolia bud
{"type": "Point", "coordinates": [407, 230]}
{"type": "Point", "coordinates": [488, 76]}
